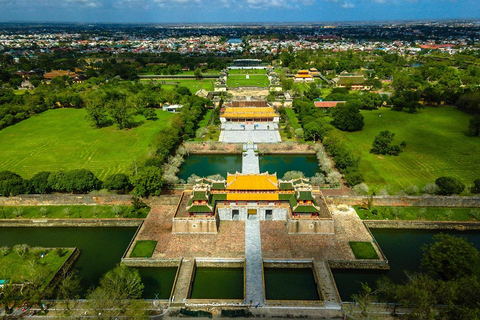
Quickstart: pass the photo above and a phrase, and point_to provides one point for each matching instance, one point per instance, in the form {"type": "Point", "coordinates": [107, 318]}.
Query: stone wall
{"type": "Point", "coordinates": [194, 225]}
{"type": "Point", "coordinates": [83, 199]}
{"type": "Point", "coordinates": [141, 262]}
{"type": "Point", "coordinates": [226, 213]}
{"type": "Point", "coordinates": [359, 264]}
{"type": "Point", "coordinates": [70, 222]}
{"type": "Point", "coordinates": [426, 225]}
{"type": "Point", "coordinates": [300, 226]}
{"type": "Point", "coordinates": [407, 201]}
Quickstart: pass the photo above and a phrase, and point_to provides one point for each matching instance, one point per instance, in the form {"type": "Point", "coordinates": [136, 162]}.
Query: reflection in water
{"type": "Point", "coordinates": [403, 251]}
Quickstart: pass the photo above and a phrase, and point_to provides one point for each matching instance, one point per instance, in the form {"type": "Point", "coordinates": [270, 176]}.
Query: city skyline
{"type": "Point", "coordinates": [235, 11]}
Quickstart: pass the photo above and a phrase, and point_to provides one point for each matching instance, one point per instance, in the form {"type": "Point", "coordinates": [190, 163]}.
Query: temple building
{"type": "Point", "coordinates": [303, 76]}
{"type": "Point", "coordinates": [249, 121]}
{"type": "Point", "coordinates": [252, 196]}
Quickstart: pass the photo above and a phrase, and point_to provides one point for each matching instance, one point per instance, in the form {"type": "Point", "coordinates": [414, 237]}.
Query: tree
{"type": "Point", "coordinates": [12, 184]}
{"type": "Point", "coordinates": [149, 114]}
{"type": "Point", "coordinates": [198, 73]}
{"type": "Point", "coordinates": [148, 181]}
{"type": "Point", "coordinates": [449, 185]}
{"type": "Point", "coordinates": [117, 182]}
{"type": "Point", "coordinates": [117, 289]}
{"type": "Point", "coordinates": [96, 113]}
{"type": "Point", "coordinates": [450, 258]}
{"type": "Point", "coordinates": [81, 181]}
{"type": "Point", "coordinates": [68, 291]}
{"type": "Point", "coordinates": [312, 131]}
{"type": "Point", "coordinates": [476, 186]}
{"type": "Point", "coordinates": [382, 144]}
{"type": "Point", "coordinates": [39, 182]}
{"type": "Point", "coordinates": [122, 113]}
{"type": "Point", "coordinates": [347, 118]}
{"type": "Point", "coordinates": [474, 126]}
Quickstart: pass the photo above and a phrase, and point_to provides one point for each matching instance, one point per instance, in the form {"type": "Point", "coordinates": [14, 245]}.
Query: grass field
{"type": "Point", "coordinates": [419, 213]}
{"type": "Point", "coordinates": [363, 250]}
{"type": "Point", "coordinates": [192, 84]}
{"type": "Point", "coordinates": [63, 139]}
{"type": "Point", "coordinates": [254, 80]}
{"type": "Point", "coordinates": [247, 71]}
{"type": "Point", "coordinates": [143, 249]}
{"type": "Point", "coordinates": [437, 145]}
{"type": "Point", "coordinates": [18, 269]}
{"type": "Point", "coordinates": [293, 118]}
{"type": "Point", "coordinates": [72, 212]}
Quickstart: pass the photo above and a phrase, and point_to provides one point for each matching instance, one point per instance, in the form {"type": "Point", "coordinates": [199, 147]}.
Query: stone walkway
{"type": "Point", "coordinates": [250, 161]}
{"type": "Point", "coordinates": [253, 256]}
{"type": "Point", "coordinates": [327, 283]}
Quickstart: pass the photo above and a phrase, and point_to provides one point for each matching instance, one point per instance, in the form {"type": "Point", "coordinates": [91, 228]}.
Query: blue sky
{"type": "Point", "coordinates": [165, 11]}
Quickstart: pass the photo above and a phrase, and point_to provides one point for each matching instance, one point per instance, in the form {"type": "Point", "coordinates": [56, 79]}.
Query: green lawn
{"type": "Point", "coordinates": [18, 269]}
{"type": "Point", "coordinates": [293, 118]}
{"type": "Point", "coordinates": [437, 145]}
{"type": "Point", "coordinates": [143, 248]}
{"type": "Point", "coordinates": [247, 71]}
{"type": "Point", "coordinates": [192, 84]}
{"type": "Point", "coordinates": [419, 213]}
{"type": "Point", "coordinates": [363, 250]}
{"type": "Point", "coordinates": [79, 211]}
{"type": "Point", "coordinates": [63, 139]}
{"type": "Point", "coordinates": [254, 80]}
{"type": "Point", "coordinates": [204, 122]}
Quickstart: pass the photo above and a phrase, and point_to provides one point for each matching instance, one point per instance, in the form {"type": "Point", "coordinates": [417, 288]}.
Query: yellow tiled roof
{"type": "Point", "coordinates": [263, 181]}
{"type": "Point", "coordinates": [303, 76]}
{"type": "Point", "coordinates": [252, 196]}
{"type": "Point", "coordinates": [249, 112]}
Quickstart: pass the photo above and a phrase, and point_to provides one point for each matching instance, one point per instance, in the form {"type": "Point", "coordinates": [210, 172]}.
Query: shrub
{"type": "Point", "coordinates": [193, 179]}
{"type": "Point", "coordinates": [21, 249]}
{"type": "Point", "coordinates": [361, 189]}
{"type": "Point", "coordinates": [318, 179]}
{"type": "Point", "coordinates": [12, 184]}
{"type": "Point", "coordinates": [431, 188]}
{"type": "Point", "coordinates": [118, 182]}
{"type": "Point", "coordinates": [449, 185]}
{"type": "Point", "coordinates": [411, 190]}
{"type": "Point", "coordinates": [476, 186]}
{"type": "Point", "coordinates": [353, 177]}
{"type": "Point", "coordinates": [39, 182]}
{"type": "Point", "coordinates": [148, 181]}
{"type": "Point", "coordinates": [290, 175]}
{"type": "Point", "coordinates": [4, 251]}
{"type": "Point", "coordinates": [382, 144]}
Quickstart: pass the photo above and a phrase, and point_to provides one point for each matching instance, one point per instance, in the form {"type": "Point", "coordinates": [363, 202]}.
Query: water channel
{"type": "Point", "coordinates": [403, 250]}
{"type": "Point", "coordinates": [290, 284]}
{"type": "Point", "coordinates": [217, 283]}
{"type": "Point", "coordinates": [102, 248]}
{"type": "Point", "coordinates": [205, 165]}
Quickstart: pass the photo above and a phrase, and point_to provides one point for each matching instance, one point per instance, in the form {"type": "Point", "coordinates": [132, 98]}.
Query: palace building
{"type": "Point", "coordinates": [252, 196]}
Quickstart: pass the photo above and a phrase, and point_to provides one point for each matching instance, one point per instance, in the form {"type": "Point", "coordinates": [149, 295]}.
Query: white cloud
{"type": "Point", "coordinates": [348, 5]}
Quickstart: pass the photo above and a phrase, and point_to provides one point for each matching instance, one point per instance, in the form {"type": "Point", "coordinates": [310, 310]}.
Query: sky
{"type": "Point", "coordinates": [197, 11]}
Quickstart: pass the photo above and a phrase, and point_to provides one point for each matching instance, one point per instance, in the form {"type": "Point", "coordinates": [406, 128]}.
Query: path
{"type": "Point", "coordinates": [250, 161]}
{"type": "Point", "coordinates": [253, 256]}
{"type": "Point", "coordinates": [183, 283]}
{"type": "Point", "coordinates": [327, 283]}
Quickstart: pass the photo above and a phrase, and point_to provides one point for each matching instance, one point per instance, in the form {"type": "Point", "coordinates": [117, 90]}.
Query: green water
{"type": "Point", "coordinates": [217, 283]}
{"type": "Point", "coordinates": [306, 163]}
{"type": "Point", "coordinates": [101, 248]}
{"type": "Point", "coordinates": [205, 165]}
{"type": "Point", "coordinates": [403, 251]}
{"type": "Point", "coordinates": [290, 284]}
{"type": "Point", "coordinates": [158, 282]}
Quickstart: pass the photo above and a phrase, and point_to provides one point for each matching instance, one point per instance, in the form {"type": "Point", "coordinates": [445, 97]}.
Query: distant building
{"type": "Point", "coordinates": [173, 108]}
{"type": "Point", "coordinates": [303, 76]}
{"type": "Point", "coordinates": [351, 81]}
{"type": "Point", "coordinates": [327, 104]}
{"type": "Point", "coordinates": [59, 73]}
